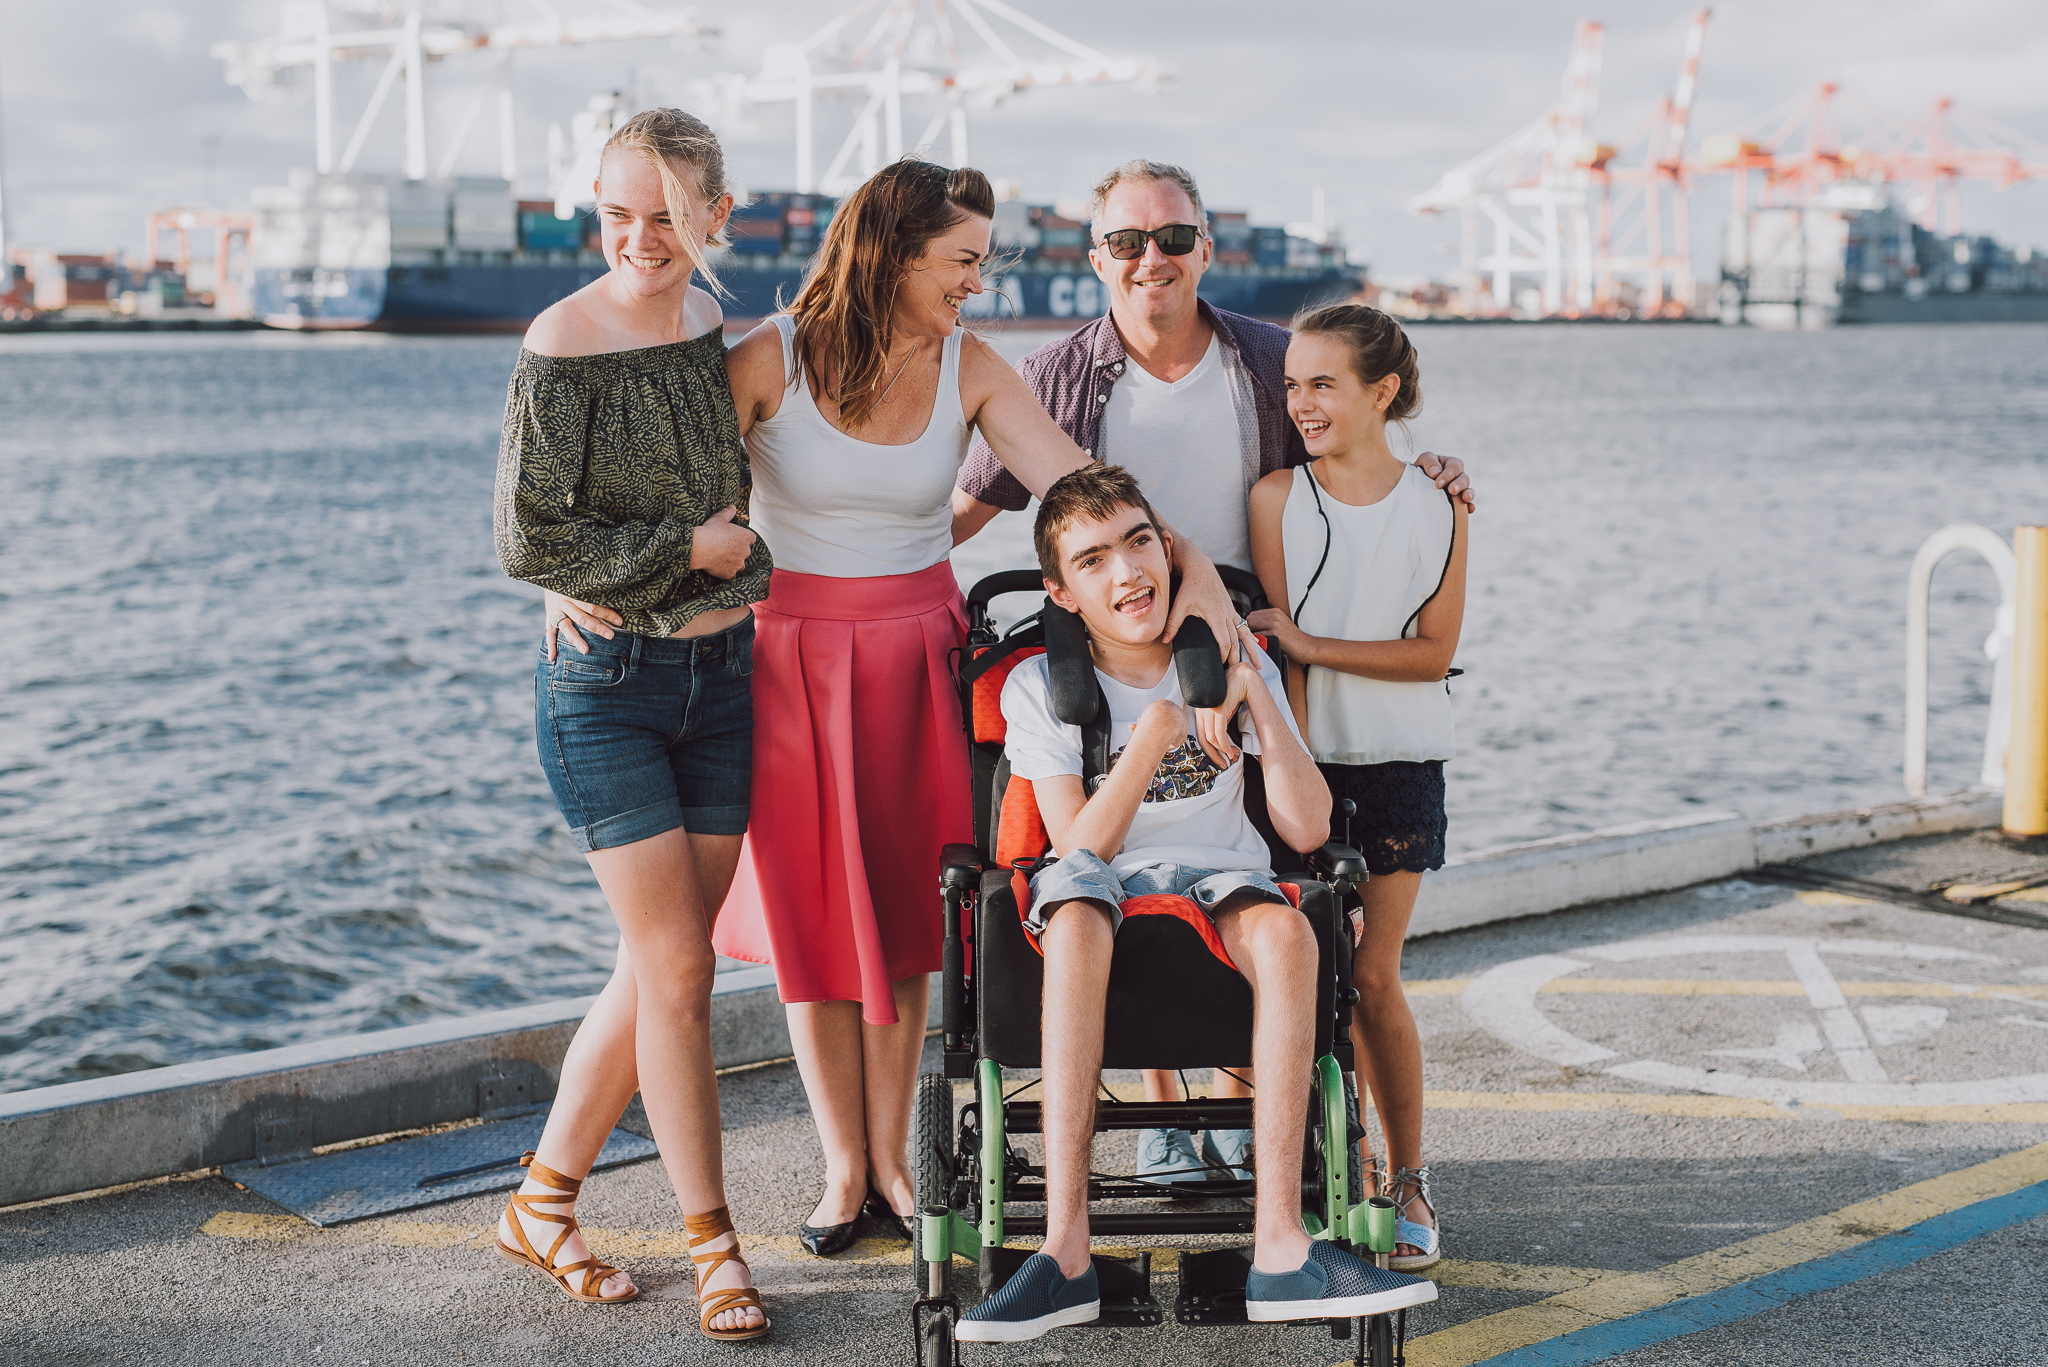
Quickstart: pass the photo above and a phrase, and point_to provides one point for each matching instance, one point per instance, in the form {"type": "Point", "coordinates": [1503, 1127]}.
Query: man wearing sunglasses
{"type": "Point", "coordinates": [1185, 396]}
{"type": "Point", "coordinates": [1189, 399]}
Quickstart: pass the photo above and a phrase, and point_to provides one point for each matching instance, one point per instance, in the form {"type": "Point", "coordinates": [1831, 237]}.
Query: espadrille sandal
{"type": "Point", "coordinates": [711, 1304]}
{"type": "Point", "coordinates": [593, 1274]}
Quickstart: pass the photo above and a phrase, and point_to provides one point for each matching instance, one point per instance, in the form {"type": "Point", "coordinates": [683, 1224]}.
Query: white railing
{"type": "Point", "coordinates": [1959, 536]}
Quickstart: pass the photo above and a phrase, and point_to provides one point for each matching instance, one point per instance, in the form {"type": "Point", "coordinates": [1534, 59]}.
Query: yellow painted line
{"type": "Point", "coordinates": [1733, 1107]}
{"type": "Point", "coordinates": [1515, 1276]}
{"type": "Point", "coordinates": [1961, 892]}
{"type": "Point", "coordinates": [1616, 1297]}
{"type": "Point", "coordinates": [1743, 987]}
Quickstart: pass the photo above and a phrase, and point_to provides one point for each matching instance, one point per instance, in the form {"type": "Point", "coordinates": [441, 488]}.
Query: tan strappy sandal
{"type": "Point", "coordinates": [711, 1304]}
{"type": "Point", "coordinates": [594, 1273]}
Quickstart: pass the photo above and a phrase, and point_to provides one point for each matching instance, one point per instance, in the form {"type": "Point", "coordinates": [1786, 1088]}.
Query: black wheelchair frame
{"type": "Point", "coordinates": [966, 1169]}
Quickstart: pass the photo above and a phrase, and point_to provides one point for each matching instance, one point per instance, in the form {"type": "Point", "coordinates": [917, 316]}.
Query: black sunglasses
{"type": "Point", "coordinates": [1175, 239]}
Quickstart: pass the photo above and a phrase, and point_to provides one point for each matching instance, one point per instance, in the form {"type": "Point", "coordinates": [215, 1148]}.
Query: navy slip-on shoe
{"type": "Point", "coordinates": [1330, 1285]}
{"type": "Point", "coordinates": [1035, 1299]}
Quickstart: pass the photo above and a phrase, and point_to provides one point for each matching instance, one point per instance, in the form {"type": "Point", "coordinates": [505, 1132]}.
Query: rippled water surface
{"type": "Point", "coordinates": [266, 755]}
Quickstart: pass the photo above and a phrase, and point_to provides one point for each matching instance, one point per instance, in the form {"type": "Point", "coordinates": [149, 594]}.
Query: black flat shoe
{"type": "Point", "coordinates": [831, 1239]}
{"type": "Point", "coordinates": [878, 1209]}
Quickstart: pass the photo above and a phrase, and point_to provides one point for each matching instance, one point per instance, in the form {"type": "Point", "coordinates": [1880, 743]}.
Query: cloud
{"type": "Point", "coordinates": [108, 107]}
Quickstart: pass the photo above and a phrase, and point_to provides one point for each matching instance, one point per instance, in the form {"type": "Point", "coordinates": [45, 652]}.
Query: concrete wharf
{"type": "Point", "coordinates": [1707, 1117]}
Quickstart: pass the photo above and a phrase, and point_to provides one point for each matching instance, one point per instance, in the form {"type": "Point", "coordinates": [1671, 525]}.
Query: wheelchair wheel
{"type": "Point", "coordinates": [1379, 1341]}
{"type": "Point", "coordinates": [931, 1155]}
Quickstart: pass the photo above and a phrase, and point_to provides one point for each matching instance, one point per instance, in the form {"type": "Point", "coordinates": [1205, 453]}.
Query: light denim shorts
{"type": "Point", "coordinates": [1080, 876]}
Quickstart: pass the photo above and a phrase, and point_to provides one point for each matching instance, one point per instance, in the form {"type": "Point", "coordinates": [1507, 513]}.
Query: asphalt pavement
{"type": "Point", "coordinates": [1739, 1122]}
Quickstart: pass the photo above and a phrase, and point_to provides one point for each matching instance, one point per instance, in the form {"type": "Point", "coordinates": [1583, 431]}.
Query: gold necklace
{"type": "Point", "coordinates": [897, 376]}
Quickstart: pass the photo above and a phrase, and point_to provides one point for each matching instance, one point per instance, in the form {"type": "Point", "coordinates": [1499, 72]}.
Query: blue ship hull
{"type": "Point", "coordinates": [505, 296]}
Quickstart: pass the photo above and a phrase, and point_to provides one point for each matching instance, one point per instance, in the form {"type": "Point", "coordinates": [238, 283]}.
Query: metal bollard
{"type": "Point", "coordinates": [2026, 756]}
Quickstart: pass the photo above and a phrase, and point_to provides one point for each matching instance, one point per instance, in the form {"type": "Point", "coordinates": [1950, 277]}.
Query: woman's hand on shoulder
{"type": "Point", "coordinates": [753, 366]}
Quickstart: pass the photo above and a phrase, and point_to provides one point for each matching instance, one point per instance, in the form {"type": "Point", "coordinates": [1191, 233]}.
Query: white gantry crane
{"type": "Point", "coordinates": [913, 49]}
{"type": "Point", "coordinates": [1576, 213]}
{"type": "Point", "coordinates": [317, 34]}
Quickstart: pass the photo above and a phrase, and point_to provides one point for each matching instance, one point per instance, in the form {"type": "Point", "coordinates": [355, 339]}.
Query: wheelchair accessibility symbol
{"type": "Point", "coordinates": [1784, 1053]}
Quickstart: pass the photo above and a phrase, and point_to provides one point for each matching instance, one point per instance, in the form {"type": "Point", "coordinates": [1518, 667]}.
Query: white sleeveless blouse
{"type": "Point", "coordinates": [1386, 560]}
{"type": "Point", "coordinates": [831, 504]}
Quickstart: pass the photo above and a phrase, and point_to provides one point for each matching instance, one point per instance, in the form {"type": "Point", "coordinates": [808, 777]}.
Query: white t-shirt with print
{"type": "Point", "coordinates": [1194, 814]}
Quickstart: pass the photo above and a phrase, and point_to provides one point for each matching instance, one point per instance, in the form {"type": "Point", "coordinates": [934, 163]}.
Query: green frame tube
{"type": "Point", "coordinates": [989, 1085]}
{"type": "Point", "coordinates": [1336, 1148]}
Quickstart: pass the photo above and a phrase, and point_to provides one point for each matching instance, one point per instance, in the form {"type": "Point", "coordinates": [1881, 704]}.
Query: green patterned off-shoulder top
{"type": "Point", "coordinates": [607, 467]}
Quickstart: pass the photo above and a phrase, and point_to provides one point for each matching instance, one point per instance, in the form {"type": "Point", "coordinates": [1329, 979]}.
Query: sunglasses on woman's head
{"type": "Point", "coordinates": [1175, 239]}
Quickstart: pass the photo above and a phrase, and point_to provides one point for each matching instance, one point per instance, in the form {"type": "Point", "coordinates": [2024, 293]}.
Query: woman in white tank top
{"type": "Point", "coordinates": [856, 408]}
{"type": "Point", "coordinates": [1368, 557]}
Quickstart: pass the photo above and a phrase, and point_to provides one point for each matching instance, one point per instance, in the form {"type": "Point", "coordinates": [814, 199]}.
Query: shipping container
{"type": "Point", "coordinates": [1269, 246]}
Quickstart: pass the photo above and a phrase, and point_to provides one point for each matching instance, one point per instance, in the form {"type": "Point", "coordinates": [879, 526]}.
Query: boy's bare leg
{"type": "Point", "coordinates": [1077, 943]}
{"type": "Point", "coordinates": [1273, 946]}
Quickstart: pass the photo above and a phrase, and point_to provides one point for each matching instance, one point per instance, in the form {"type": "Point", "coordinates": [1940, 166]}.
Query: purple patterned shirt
{"type": "Point", "coordinates": [1072, 378]}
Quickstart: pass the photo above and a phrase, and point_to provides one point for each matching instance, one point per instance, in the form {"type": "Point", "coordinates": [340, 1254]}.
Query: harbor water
{"type": "Point", "coordinates": [266, 749]}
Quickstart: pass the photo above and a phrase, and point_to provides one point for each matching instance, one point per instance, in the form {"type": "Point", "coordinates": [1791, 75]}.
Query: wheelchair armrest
{"type": "Point", "coordinates": [959, 866]}
{"type": "Point", "coordinates": [1335, 862]}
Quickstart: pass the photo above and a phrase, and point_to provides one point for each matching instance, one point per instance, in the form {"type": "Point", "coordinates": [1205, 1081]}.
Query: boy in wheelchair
{"type": "Point", "coordinates": [1166, 819]}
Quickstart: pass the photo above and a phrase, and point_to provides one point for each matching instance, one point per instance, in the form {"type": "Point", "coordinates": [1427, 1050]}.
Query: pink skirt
{"type": "Point", "coordinates": [860, 777]}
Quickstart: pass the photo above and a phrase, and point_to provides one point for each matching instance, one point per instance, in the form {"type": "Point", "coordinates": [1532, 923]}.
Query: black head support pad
{"type": "Point", "coordinates": [1076, 697]}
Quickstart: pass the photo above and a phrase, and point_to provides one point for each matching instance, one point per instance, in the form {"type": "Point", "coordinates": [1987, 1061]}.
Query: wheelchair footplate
{"type": "Point", "coordinates": [1126, 1284]}
{"type": "Point", "coordinates": [1212, 1286]}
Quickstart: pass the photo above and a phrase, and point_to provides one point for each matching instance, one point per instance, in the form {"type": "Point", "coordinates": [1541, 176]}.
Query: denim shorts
{"type": "Point", "coordinates": [643, 734]}
{"type": "Point", "coordinates": [1080, 876]}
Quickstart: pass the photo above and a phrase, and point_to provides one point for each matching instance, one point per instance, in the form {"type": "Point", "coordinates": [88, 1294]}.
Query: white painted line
{"type": "Point", "coordinates": [1837, 1021]}
{"type": "Point", "coordinates": [1503, 1001]}
{"type": "Point", "coordinates": [2023, 1020]}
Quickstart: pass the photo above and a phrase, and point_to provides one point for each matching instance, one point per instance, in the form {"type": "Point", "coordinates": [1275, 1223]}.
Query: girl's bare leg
{"type": "Point", "coordinates": [650, 1029]}
{"type": "Point", "coordinates": [1385, 1042]}
{"type": "Point", "coordinates": [889, 1055]}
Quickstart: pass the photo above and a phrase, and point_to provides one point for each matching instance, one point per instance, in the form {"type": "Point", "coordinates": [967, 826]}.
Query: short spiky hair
{"type": "Point", "coordinates": [1094, 492]}
{"type": "Point", "coordinates": [1144, 171]}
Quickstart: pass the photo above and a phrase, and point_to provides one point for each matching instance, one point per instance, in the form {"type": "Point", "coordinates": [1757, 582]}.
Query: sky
{"type": "Point", "coordinates": [112, 108]}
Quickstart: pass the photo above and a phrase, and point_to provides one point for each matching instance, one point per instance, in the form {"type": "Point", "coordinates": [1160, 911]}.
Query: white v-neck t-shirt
{"type": "Point", "coordinates": [1180, 441]}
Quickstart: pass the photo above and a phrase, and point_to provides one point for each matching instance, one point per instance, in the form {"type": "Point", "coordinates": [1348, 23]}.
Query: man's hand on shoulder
{"type": "Point", "coordinates": [1449, 474]}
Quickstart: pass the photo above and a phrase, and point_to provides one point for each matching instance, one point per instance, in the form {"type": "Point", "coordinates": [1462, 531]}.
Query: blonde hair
{"type": "Point", "coordinates": [665, 137]}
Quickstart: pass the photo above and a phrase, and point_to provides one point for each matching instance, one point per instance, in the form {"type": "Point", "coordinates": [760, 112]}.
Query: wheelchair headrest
{"type": "Point", "coordinates": [1076, 696]}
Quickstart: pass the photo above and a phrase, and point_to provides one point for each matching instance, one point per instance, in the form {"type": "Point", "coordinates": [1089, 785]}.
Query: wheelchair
{"type": "Point", "coordinates": [1173, 1002]}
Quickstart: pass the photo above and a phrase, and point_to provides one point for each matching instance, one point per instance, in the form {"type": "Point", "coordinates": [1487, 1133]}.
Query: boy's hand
{"type": "Point", "coordinates": [1161, 726]}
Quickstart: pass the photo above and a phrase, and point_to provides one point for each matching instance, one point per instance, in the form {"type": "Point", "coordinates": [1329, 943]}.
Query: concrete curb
{"type": "Point", "coordinates": [1542, 876]}
{"type": "Point", "coordinates": [82, 1136]}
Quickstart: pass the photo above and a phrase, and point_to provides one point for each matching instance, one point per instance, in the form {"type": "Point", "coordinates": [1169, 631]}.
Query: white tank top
{"type": "Point", "coordinates": [831, 504]}
{"type": "Point", "coordinates": [1386, 560]}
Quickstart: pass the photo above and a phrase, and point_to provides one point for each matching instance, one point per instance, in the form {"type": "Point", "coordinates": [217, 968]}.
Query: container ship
{"type": "Point", "coordinates": [1861, 260]}
{"type": "Point", "coordinates": [463, 255]}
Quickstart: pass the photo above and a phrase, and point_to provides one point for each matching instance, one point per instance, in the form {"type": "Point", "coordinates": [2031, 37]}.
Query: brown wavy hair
{"type": "Point", "coordinates": [845, 311]}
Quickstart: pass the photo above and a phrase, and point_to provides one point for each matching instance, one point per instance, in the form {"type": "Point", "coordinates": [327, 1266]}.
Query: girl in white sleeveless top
{"type": "Point", "coordinates": [1369, 558]}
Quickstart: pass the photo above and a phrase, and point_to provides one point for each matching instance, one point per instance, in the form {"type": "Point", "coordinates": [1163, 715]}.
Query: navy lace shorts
{"type": "Point", "coordinates": [1400, 823]}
